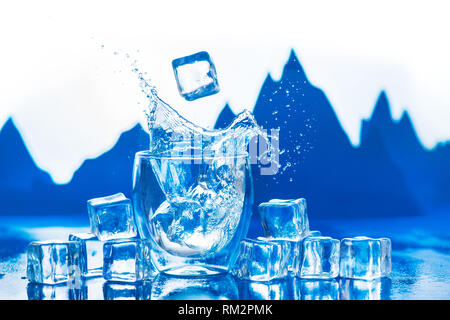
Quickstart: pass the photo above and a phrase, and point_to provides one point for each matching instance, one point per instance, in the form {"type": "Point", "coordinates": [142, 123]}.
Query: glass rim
{"type": "Point", "coordinates": [150, 155]}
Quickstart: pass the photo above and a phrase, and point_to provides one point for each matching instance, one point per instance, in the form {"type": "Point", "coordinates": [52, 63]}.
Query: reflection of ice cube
{"type": "Point", "coordinates": [196, 76]}
{"type": "Point", "coordinates": [286, 219]}
{"type": "Point", "coordinates": [90, 289]}
{"type": "Point", "coordinates": [215, 287]}
{"type": "Point", "coordinates": [354, 289]}
{"type": "Point", "coordinates": [127, 291]}
{"type": "Point", "coordinates": [111, 217]}
{"type": "Point", "coordinates": [261, 260]}
{"type": "Point", "coordinates": [318, 289]}
{"type": "Point", "coordinates": [320, 258]}
{"type": "Point", "coordinates": [37, 291]}
{"type": "Point", "coordinates": [365, 258]}
{"type": "Point", "coordinates": [273, 290]}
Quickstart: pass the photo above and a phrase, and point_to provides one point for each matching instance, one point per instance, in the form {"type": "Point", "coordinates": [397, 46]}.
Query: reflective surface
{"type": "Point", "coordinates": [420, 267]}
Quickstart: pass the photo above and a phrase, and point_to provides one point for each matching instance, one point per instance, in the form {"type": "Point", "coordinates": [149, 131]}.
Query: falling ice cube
{"type": "Point", "coordinates": [127, 260]}
{"type": "Point", "coordinates": [286, 219]}
{"type": "Point", "coordinates": [320, 258]}
{"type": "Point", "coordinates": [91, 254]}
{"type": "Point", "coordinates": [48, 262]}
{"type": "Point", "coordinates": [196, 76]}
{"type": "Point", "coordinates": [111, 217]}
{"type": "Point", "coordinates": [261, 260]}
{"type": "Point", "coordinates": [365, 258]}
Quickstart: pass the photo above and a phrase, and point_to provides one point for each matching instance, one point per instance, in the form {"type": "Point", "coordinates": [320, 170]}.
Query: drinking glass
{"type": "Point", "coordinates": [195, 210]}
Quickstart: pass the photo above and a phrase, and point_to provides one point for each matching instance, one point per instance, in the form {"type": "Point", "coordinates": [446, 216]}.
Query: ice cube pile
{"type": "Point", "coordinates": [291, 248]}
{"type": "Point", "coordinates": [111, 250]}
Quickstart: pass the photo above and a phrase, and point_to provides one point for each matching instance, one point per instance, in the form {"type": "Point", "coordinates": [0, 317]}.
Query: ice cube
{"type": "Point", "coordinates": [48, 262]}
{"type": "Point", "coordinates": [318, 289]}
{"type": "Point", "coordinates": [294, 253]}
{"type": "Point", "coordinates": [91, 254]}
{"type": "Point", "coordinates": [365, 258]}
{"type": "Point", "coordinates": [111, 217]}
{"type": "Point", "coordinates": [127, 291]}
{"type": "Point", "coordinates": [196, 76]}
{"type": "Point", "coordinates": [356, 289]}
{"type": "Point", "coordinates": [201, 222]}
{"type": "Point", "coordinates": [127, 260]}
{"type": "Point", "coordinates": [180, 228]}
{"type": "Point", "coordinates": [320, 258]}
{"type": "Point", "coordinates": [261, 260]}
{"type": "Point", "coordinates": [285, 219]}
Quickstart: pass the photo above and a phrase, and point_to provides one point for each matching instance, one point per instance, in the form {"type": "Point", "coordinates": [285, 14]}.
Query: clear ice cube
{"type": "Point", "coordinates": [261, 260]}
{"type": "Point", "coordinates": [286, 219]}
{"type": "Point", "coordinates": [127, 260]}
{"type": "Point", "coordinates": [111, 217]}
{"type": "Point", "coordinates": [320, 258]}
{"type": "Point", "coordinates": [196, 76]}
{"type": "Point", "coordinates": [294, 253]}
{"type": "Point", "coordinates": [365, 258]}
{"type": "Point", "coordinates": [48, 262]}
{"type": "Point", "coordinates": [91, 254]}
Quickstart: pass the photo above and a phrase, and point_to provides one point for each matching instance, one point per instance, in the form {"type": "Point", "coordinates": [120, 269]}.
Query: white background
{"type": "Point", "coordinates": [71, 98]}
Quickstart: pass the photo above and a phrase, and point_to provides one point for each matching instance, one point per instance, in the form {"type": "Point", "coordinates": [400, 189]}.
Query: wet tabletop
{"type": "Point", "coordinates": [420, 266]}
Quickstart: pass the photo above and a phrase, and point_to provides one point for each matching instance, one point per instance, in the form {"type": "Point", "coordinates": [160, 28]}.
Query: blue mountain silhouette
{"type": "Point", "coordinates": [389, 174]}
{"type": "Point", "coordinates": [27, 190]}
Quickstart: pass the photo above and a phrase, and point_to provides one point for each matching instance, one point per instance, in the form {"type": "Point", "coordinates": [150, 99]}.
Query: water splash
{"type": "Point", "coordinates": [202, 174]}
